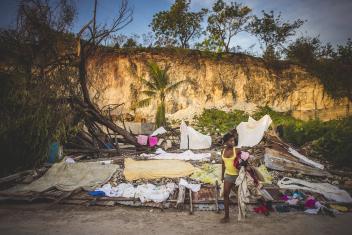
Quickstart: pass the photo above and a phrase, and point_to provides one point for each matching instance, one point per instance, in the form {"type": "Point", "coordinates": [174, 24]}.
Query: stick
{"type": "Point", "coordinates": [190, 202]}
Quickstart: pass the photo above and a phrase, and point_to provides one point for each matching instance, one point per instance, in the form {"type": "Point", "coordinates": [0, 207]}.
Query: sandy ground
{"type": "Point", "coordinates": [65, 219]}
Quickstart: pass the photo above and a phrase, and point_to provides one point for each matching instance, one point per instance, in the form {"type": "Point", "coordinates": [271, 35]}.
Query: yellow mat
{"type": "Point", "coordinates": [154, 169]}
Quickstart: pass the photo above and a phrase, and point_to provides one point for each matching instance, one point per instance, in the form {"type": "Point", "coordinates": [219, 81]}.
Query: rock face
{"type": "Point", "coordinates": [239, 82]}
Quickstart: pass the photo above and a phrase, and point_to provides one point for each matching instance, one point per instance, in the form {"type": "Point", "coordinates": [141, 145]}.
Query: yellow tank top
{"type": "Point", "coordinates": [230, 169]}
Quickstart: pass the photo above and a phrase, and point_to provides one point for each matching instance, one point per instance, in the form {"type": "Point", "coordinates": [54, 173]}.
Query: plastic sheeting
{"type": "Point", "coordinates": [156, 169]}
{"type": "Point", "coordinates": [193, 187]}
{"type": "Point", "coordinates": [68, 177]}
{"type": "Point", "coordinates": [145, 192]}
{"type": "Point", "coordinates": [187, 155]}
{"type": "Point", "coordinates": [329, 191]}
{"type": "Point", "coordinates": [192, 139]}
{"type": "Point", "coordinates": [251, 133]}
{"type": "Point", "coordinates": [161, 130]}
{"type": "Point", "coordinates": [304, 159]}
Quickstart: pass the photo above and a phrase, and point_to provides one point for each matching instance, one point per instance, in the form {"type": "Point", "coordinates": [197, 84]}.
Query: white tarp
{"type": "Point", "coordinates": [329, 191]}
{"type": "Point", "coordinates": [161, 130]}
{"type": "Point", "coordinates": [70, 176]}
{"type": "Point", "coordinates": [251, 133]}
{"type": "Point", "coordinates": [193, 187]}
{"type": "Point", "coordinates": [145, 192]}
{"type": "Point", "coordinates": [304, 159]}
{"type": "Point", "coordinates": [186, 155]}
{"type": "Point", "coordinates": [192, 139]}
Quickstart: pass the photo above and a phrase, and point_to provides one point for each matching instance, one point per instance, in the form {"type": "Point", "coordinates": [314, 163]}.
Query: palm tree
{"type": "Point", "coordinates": [158, 86]}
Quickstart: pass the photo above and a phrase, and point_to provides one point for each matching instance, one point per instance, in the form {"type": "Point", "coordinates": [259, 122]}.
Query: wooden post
{"type": "Point", "coordinates": [190, 202]}
{"type": "Point", "coordinates": [181, 197]}
{"type": "Point", "coordinates": [217, 197]}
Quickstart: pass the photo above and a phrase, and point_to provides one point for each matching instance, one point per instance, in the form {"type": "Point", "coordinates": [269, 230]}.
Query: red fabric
{"type": "Point", "coordinates": [261, 210]}
{"type": "Point", "coordinates": [236, 162]}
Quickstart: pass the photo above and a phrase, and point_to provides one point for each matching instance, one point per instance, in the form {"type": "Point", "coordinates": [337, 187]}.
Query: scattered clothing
{"type": "Point", "coordinates": [96, 193]}
{"type": "Point", "coordinates": [187, 155]}
{"type": "Point", "coordinates": [156, 169]}
{"type": "Point", "coordinates": [310, 202]}
{"type": "Point", "coordinates": [243, 193]}
{"type": "Point", "coordinates": [339, 208]}
{"type": "Point", "coordinates": [208, 173]}
{"type": "Point", "coordinates": [142, 139]}
{"type": "Point", "coordinates": [261, 210]}
{"type": "Point", "coordinates": [304, 159]}
{"type": "Point", "coordinates": [145, 192]}
{"type": "Point", "coordinates": [193, 187]}
{"type": "Point", "coordinates": [161, 130]}
{"type": "Point", "coordinates": [264, 175]}
{"type": "Point", "coordinates": [192, 139]}
{"type": "Point", "coordinates": [68, 177]}
{"type": "Point", "coordinates": [329, 191]}
{"type": "Point", "coordinates": [69, 160]}
{"type": "Point", "coordinates": [251, 133]}
{"type": "Point", "coordinates": [153, 141]}
{"type": "Point", "coordinates": [293, 201]}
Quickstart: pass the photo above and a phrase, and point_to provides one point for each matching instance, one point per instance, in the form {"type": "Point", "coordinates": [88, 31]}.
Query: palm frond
{"type": "Point", "coordinates": [149, 84]}
{"type": "Point", "coordinates": [174, 86]}
{"type": "Point", "coordinates": [149, 93]}
{"type": "Point", "coordinates": [158, 75]}
{"type": "Point", "coordinates": [144, 102]}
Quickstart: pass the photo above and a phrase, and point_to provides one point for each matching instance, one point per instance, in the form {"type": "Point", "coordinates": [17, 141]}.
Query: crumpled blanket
{"type": "Point", "coordinates": [70, 176]}
{"type": "Point", "coordinates": [145, 192]}
{"type": "Point", "coordinates": [186, 155]}
{"type": "Point", "coordinates": [246, 190]}
{"type": "Point", "coordinates": [155, 169]}
{"type": "Point", "coordinates": [329, 191]}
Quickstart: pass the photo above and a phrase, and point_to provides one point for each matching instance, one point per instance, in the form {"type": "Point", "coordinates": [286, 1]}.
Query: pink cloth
{"type": "Point", "coordinates": [310, 203]}
{"type": "Point", "coordinates": [142, 139]}
{"type": "Point", "coordinates": [244, 155]}
{"type": "Point", "coordinates": [153, 140]}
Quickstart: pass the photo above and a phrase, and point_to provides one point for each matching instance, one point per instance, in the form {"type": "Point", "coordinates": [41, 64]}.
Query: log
{"type": "Point", "coordinates": [16, 176]}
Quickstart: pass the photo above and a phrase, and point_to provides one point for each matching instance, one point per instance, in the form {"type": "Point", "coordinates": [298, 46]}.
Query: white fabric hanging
{"type": "Point", "coordinates": [251, 133]}
{"type": "Point", "coordinates": [192, 139]}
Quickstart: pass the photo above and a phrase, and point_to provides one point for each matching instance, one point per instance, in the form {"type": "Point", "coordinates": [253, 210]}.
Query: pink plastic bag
{"type": "Point", "coordinates": [153, 140]}
{"type": "Point", "coordinates": [142, 139]}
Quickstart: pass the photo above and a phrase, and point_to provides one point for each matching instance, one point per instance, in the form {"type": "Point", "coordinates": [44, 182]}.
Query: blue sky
{"type": "Point", "coordinates": [331, 19]}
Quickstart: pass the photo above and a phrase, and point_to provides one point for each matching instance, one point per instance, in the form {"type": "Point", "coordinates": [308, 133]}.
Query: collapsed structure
{"type": "Point", "coordinates": [189, 176]}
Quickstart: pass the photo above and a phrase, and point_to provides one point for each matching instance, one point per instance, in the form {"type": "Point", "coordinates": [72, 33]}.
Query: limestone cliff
{"type": "Point", "coordinates": [237, 81]}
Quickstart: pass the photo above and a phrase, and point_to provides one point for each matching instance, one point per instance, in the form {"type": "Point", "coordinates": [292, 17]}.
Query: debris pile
{"type": "Point", "coordinates": [169, 174]}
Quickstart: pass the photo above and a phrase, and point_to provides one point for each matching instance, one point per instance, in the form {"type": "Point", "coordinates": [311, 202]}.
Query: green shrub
{"type": "Point", "coordinates": [331, 140]}
{"type": "Point", "coordinates": [218, 121]}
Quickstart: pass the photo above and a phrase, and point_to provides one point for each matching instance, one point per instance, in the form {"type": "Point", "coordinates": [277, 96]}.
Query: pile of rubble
{"type": "Point", "coordinates": [277, 159]}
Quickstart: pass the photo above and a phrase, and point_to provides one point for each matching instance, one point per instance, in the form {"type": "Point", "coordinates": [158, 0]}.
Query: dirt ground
{"type": "Point", "coordinates": [65, 219]}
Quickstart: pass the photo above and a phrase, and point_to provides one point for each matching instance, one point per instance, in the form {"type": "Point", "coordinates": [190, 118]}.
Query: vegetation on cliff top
{"type": "Point", "coordinates": [330, 140]}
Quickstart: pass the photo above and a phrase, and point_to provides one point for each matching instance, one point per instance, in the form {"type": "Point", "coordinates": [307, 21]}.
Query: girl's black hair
{"type": "Point", "coordinates": [229, 135]}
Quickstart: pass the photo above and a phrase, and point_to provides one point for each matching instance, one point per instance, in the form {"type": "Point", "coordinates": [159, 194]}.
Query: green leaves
{"type": "Point", "coordinates": [272, 31]}
{"type": "Point", "coordinates": [177, 26]}
{"type": "Point", "coordinates": [159, 86]}
{"type": "Point", "coordinates": [226, 21]}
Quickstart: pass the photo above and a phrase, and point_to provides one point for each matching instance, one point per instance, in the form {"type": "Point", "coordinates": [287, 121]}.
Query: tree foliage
{"type": "Point", "coordinates": [273, 32]}
{"type": "Point", "coordinates": [33, 78]}
{"type": "Point", "coordinates": [177, 26]}
{"type": "Point", "coordinates": [225, 22]}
